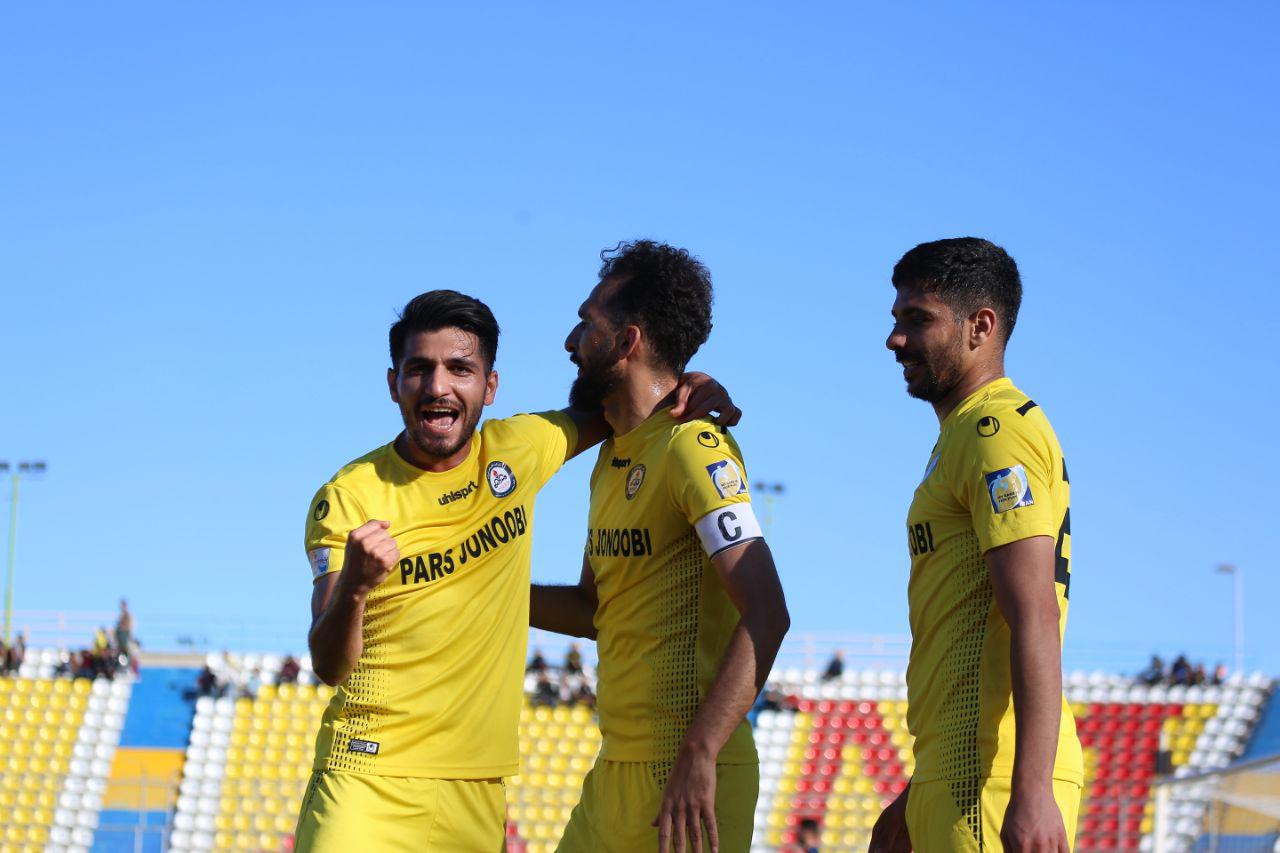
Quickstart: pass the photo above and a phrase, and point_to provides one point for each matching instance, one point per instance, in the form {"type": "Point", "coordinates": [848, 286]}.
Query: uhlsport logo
{"type": "Point", "coordinates": [502, 481]}
{"type": "Point", "coordinates": [1009, 489]}
{"type": "Point", "coordinates": [708, 439]}
{"type": "Point", "coordinates": [322, 509]}
{"type": "Point", "coordinates": [635, 479]}
{"type": "Point", "coordinates": [988, 426]}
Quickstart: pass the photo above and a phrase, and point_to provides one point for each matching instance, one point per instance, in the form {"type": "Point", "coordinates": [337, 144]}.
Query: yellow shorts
{"type": "Point", "coordinates": [342, 812]}
{"type": "Point", "coordinates": [619, 799]}
{"type": "Point", "coordinates": [938, 818]}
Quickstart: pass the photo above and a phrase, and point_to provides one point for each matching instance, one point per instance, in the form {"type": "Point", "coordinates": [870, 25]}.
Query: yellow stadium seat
{"type": "Point", "coordinates": [224, 841]}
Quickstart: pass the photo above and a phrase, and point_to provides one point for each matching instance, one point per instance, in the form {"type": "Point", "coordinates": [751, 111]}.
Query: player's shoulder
{"type": "Point", "coordinates": [524, 427]}
{"type": "Point", "coordinates": [360, 472]}
{"type": "Point", "coordinates": [1003, 412]}
{"type": "Point", "coordinates": [700, 436]}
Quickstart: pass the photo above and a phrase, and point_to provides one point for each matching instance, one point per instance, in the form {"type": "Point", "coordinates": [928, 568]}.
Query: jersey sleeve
{"type": "Point", "coordinates": [333, 514]}
{"type": "Point", "coordinates": [708, 485]}
{"type": "Point", "coordinates": [553, 436]}
{"type": "Point", "coordinates": [1006, 482]}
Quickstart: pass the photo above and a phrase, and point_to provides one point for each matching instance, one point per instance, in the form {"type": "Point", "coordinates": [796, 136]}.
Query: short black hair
{"type": "Point", "coordinates": [663, 290]}
{"type": "Point", "coordinates": [440, 309]}
{"type": "Point", "coordinates": [967, 273]}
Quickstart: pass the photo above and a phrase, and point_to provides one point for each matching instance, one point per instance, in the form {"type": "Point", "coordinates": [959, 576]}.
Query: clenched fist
{"type": "Point", "coordinates": [371, 554]}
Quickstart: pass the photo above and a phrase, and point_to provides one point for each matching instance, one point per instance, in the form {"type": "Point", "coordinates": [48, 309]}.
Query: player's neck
{"type": "Point", "coordinates": [638, 396]}
{"type": "Point", "coordinates": [414, 455]}
{"type": "Point", "coordinates": [980, 375]}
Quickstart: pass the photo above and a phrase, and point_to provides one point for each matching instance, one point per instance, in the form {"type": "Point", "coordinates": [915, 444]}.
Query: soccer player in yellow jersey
{"type": "Point", "coordinates": [677, 584]}
{"type": "Point", "coordinates": [998, 763]}
{"type": "Point", "coordinates": [420, 552]}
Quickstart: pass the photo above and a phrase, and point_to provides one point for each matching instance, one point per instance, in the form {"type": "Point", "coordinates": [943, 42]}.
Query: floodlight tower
{"type": "Point", "coordinates": [769, 491]}
{"type": "Point", "coordinates": [17, 471]}
{"type": "Point", "coordinates": [1237, 612]}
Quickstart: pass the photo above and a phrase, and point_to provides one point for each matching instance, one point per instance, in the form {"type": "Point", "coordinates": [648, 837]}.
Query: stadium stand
{"type": "Point", "coordinates": [66, 732]}
{"type": "Point", "coordinates": [834, 751]}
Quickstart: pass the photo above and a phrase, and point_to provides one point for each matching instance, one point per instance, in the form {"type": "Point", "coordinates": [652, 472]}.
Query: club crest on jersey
{"type": "Point", "coordinates": [635, 479]}
{"type": "Point", "coordinates": [1009, 489]}
{"type": "Point", "coordinates": [726, 477]}
{"type": "Point", "coordinates": [502, 481]}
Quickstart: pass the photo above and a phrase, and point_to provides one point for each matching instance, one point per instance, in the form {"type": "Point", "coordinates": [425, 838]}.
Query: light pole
{"type": "Point", "coordinates": [1237, 612]}
{"type": "Point", "coordinates": [769, 491]}
{"type": "Point", "coordinates": [18, 471]}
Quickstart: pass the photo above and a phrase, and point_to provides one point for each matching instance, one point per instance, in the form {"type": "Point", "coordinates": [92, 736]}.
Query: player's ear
{"type": "Point", "coordinates": [982, 327]}
{"type": "Point", "coordinates": [391, 385]}
{"type": "Point", "coordinates": [490, 387]}
{"type": "Point", "coordinates": [631, 337]}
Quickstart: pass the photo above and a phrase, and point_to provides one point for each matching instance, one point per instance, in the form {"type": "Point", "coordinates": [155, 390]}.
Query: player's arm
{"type": "Point", "coordinates": [336, 638]}
{"type": "Point", "coordinates": [751, 580]}
{"type": "Point", "coordinates": [566, 609]}
{"type": "Point", "coordinates": [697, 396]}
{"type": "Point", "coordinates": [1022, 577]}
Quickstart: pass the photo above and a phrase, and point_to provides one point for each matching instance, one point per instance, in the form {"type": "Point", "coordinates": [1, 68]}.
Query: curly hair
{"type": "Point", "coordinates": [967, 273]}
{"type": "Point", "coordinates": [663, 290]}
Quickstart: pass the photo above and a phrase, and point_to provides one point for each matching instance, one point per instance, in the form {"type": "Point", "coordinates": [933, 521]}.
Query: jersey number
{"type": "Point", "coordinates": [1061, 564]}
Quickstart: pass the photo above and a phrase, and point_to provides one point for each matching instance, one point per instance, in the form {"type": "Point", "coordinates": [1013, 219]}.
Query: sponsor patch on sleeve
{"type": "Point", "coordinates": [1009, 489]}
{"type": "Point", "coordinates": [726, 527]}
{"type": "Point", "coordinates": [319, 558]}
{"type": "Point", "coordinates": [727, 478]}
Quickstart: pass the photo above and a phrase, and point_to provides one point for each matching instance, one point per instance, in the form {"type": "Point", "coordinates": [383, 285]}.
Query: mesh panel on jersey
{"type": "Point", "coordinates": [364, 693]}
{"type": "Point", "coordinates": [675, 665]}
{"type": "Point", "coordinates": [962, 671]}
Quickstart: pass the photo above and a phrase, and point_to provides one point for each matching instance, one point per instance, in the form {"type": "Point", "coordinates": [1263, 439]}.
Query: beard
{"type": "Point", "coordinates": [595, 381]}
{"type": "Point", "coordinates": [441, 447]}
{"type": "Point", "coordinates": [938, 373]}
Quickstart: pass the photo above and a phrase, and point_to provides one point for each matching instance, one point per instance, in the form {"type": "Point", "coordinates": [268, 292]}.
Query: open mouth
{"type": "Point", "coordinates": [438, 419]}
{"type": "Point", "coordinates": [910, 368]}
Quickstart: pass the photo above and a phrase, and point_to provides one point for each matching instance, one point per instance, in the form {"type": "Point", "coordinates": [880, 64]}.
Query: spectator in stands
{"type": "Point", "coordinates": [252, 684]}
{"type": "Point", "coordinates": [4, 658]}
{"type": "Point", "coordinates": [15, 654]}
{"type": "Point", "coordinates": [772, 699]}
{"type": "Point", "coordinates": [809, 835]}
{"type": "Point", "coordinates": [537, 663]}
{"type": "Point", "coordinates": [1154, 673]}
{"type": "Point", "coordinates": [544, 693]}
{"type": "Point", "coordinates": [289, 670]}
{"type": "Point", "coordinates": [1198, 675]}
{"type": "Point", "coordinates": [835, 668]}
{"type": "Point", "coordinates": [584, 695]}
{"type": "Point", "coordinates": [1219, 674]}
{"type": "Point", "coordinates": [1180, 672]}
{"type": "Point", "coordinates": [126, 638]}
{"type": "Point", "coordinates": [573, 660]}
{"type": "Point", "coordinates": [207, 683]}
{"type": "Point", "coordinates": [101, 640]}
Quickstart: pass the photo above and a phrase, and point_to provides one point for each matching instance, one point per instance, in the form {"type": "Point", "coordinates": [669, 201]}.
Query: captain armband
{"type": "Point", "coordinates": [728, 526]}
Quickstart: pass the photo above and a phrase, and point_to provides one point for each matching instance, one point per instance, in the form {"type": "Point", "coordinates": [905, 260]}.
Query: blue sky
{"type": "Point", "coordinates": [211, 214]}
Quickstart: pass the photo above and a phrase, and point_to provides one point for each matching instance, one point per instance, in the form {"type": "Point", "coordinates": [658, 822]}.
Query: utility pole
{"type": "Point", "coordinates": [18, 471]}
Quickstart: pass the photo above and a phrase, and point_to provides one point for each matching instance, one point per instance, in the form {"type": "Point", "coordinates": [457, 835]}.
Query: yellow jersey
{"type": "Point", "coordinates": [438, 690]}
{"type": "Point", "coordinates": [664, 617]}
{"type": "Point", "coordinates": [995, 476]}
